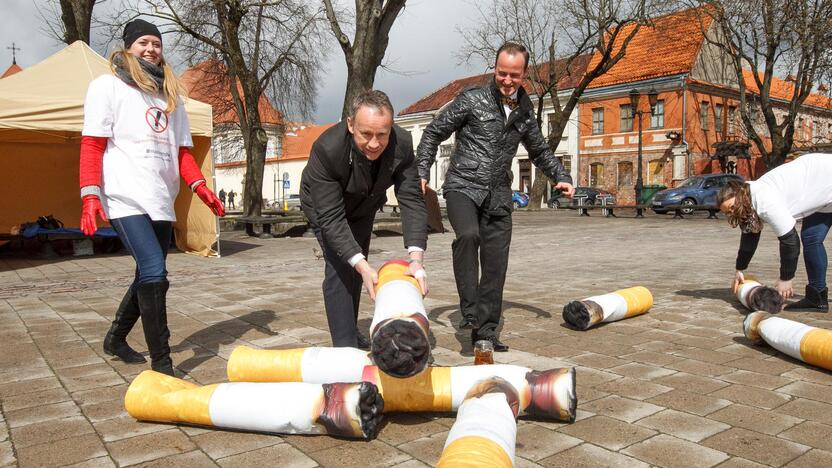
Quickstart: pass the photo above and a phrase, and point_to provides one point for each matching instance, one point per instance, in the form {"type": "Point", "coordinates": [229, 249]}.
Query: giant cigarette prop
{"type": "Point", "coordinates": [800, 341]}
{"type": "Point", "coordinates": [755, 296]}
{"type": "Point", "coordinates": [611, 307]}
{"type": "Point", "coordinates": [485, 430]}
{"type": "Point", "coordinates": [341, 409]}
{"type": "Point", "coordinates": [399, 331]}
{"type": "Point", "coordinates": [548, 394]}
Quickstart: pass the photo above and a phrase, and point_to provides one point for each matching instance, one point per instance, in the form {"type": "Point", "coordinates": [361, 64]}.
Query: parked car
{"type": "Point", "coordinates": [696, 190]}
{"type": "Point", "coordinates": [292, 202]}
{"type": "Point", "coordinates": [519, 199]}
{"type": "Point", "coordinates": [593, 196]}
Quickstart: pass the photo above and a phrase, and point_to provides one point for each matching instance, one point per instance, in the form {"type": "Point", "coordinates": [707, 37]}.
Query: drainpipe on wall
{"type": "Point", "coordinates": [684, 125]}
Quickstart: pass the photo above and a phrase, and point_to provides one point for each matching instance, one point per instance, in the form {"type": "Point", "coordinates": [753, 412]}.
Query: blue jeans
{"type": "Point", "coordinates": [812, 235]}
{"type": "Point", "coordinates": [147, 241]}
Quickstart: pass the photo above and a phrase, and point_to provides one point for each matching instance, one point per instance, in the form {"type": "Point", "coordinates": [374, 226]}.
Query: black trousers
{"type": "Point", "coordinates": [342, 286]}
{"type": "Point", "coordinates": [481, 245]}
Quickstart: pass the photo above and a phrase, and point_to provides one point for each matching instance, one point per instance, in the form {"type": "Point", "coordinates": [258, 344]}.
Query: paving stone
{"type": "Point", "coordinates": [194, 459]}
{"type": "Point", "coordinates": [774, 366]}
{"type": "Point", "coordinates": [536, 443]}
{"type": "Point", "coordinates": [809, 374]}
{"type": "Point", "coordinates": [641, 371]}
{"type": "Point", "coordinates": [404, 427]}
{"type": "Point", "coordinates": [28, 400]}
{"type": "Point", "coordinates": [7, 454]}
{"type": "Point", "coordinates": [704, 369]}
{"type": "Point", "coordinates": [683, 425]}
{"type": "Point", "coordinates": [690, 402]}
{"type": "Point", "coordinates": [607, 432]}
{"type": "Point", "coordinates": [691, 383]}
{"type": "Point", "coordinates": [149, 447]}
{"type": "Point", "coordinates": [664, 450]}
{"type": "Point", "coordinates": [755, 446]}
{"type": "Point", "coordinates": [811, 434]}
{"type": "Point", "coordinates": [755, 379]}
{"type": "Point", "coordinates": [812, 391]}
{"type": "Point", "coordinates": [283, 455]}
{"type": "Point", "coordinates": [737, 462]}
{"type": "Point", "coordinates": [220, 444]}
{"type": "Point", "coordinates": [62, 452]}
{"type": "Point", "coordinates": [100, 462]}
{"type": "Point", "coordinates": [633, 388]}
{"type": "Point", "coordinates": [124, 427]}
{"type": "Point", "coordinates": [50, 431]}
{"type": "Point", "coordinates": [765, 421]}
{"type": "Point", "coordinates": [812, 459]}
{"type": "Point", "coordinates": [38, 414]}
{"type": "Point", "coordinates": [591, 456]}
{"type": "Point", "coordinates": [807, 409]}
{"type": "Point", "coordinates": [360, 454]}
{"type": "Point", "coordinates": [426, 449]}
{"type": "Point", "coordinates": [624, 409]}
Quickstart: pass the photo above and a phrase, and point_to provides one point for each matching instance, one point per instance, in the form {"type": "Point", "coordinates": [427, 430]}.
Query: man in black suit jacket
{"type": "Point", "coordinates": [350, 168]}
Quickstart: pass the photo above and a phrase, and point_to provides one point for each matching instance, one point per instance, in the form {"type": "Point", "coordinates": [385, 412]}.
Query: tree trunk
{"type": "Point", "coordinates": [360, 77]}
{"type": "Point", "coordinates": [76, 16]}
{"type": "Point", "coordinates": [538, 189]}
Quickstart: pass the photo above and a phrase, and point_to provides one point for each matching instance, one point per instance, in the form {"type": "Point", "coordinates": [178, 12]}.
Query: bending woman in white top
{"type": "Point", "coordinates": [135, 145]}
{"type": "Point", "coordinates": [801, 189]}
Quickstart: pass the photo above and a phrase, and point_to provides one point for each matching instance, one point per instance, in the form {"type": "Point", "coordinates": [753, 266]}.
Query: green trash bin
{"type": "Point", "coordinates": [649, 191]}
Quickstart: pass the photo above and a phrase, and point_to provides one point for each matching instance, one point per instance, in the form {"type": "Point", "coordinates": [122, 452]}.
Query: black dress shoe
{"type": "Point", "coordinates": [498, 345]}
{"type": "Point", "coordinates": [467, 323]}
{"type": "Point", "coordinates": [362, 342]}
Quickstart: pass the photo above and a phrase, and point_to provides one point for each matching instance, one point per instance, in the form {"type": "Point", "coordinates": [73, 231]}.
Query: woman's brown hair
{"type": "Point", "coordinates": [742, 214]}
{"type": "Point", "coordinates": [171, 89]}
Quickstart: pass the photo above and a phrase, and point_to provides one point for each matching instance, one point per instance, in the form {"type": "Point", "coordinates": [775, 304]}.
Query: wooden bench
{"type": "Point", "coordinates": [265, 223]}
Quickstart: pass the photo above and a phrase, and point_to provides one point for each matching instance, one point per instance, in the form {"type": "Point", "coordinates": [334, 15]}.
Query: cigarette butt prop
{"type": "Point", "coordinates": [342, 409]}
{"type": "Point", "coordinates": [611, 307]}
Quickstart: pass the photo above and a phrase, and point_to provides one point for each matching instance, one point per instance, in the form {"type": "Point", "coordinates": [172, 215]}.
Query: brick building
{"type": "Point", "coordinates": [695, 127]}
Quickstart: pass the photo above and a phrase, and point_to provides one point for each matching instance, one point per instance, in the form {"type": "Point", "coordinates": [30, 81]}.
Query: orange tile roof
{"type": "Point", "coordinates": [11, 71]}
{"type": "Point", "coordinates": [447, 93]}
{"type": "Point", "coordinates": [208, 82]}
{"type": "Point", "coordinates": [298, 144]}
{"type": "Point", "coordinates": [668, 47]}
{"type": "Point", "coordinates": [782, 89]}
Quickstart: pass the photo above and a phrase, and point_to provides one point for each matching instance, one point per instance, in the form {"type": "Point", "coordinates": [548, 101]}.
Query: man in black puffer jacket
{"type": "Point", "coordinates": [490, 122]}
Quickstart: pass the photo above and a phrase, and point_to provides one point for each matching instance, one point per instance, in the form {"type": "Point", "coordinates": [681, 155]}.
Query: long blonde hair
{"type": "Point", "coordinates": [742, 214]}
{"type": "Point", "coordinates": [171, 88]}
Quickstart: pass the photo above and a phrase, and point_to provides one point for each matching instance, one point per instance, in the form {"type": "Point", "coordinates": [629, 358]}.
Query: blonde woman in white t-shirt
{"type": "Point", "coordinates": [135, 145]}
{"type": "Point", "coordinates": [799, 190]}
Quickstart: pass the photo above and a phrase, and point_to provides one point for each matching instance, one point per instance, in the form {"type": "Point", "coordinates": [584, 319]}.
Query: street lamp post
{"type": "Point", "coordinates": [635, 97]}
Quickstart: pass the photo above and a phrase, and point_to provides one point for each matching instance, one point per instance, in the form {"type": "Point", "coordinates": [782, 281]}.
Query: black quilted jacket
{"type": "Point", "coordinates": [486, 142]}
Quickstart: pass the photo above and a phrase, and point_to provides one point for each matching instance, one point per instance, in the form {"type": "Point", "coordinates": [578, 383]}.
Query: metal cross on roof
{"type": "Point", "coordinates": [14, 56]}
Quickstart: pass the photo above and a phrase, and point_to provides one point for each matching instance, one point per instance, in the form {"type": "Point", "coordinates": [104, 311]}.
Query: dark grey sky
{"type": "Point", "coordinates": [422, 44]}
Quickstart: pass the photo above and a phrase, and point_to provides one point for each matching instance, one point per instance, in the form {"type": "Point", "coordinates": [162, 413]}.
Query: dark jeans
{"type": "Point", "coordinates": [147, 241]}
{"type": "Point", "coordinates": [342, 287]}
{"type": "Point", "coordinates": [812, 235]}
{"type": "Point", "coordinates": [482, 243]}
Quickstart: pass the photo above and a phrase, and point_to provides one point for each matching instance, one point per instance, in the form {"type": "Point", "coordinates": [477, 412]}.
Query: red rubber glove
{"type": "Point", "coordinates": [211, 201]}
{"type": "Point", "coordinates": [92, 207]}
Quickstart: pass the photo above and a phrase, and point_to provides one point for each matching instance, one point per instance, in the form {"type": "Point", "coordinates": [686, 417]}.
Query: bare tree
{"type": "Point", "coordinates": [766, 38]}
{"type": "Point", "coordinates": [267, 47]}
{"type": "Point", "coordinates": [570, 42]}
{"type": "Point", "coordinates": [364, 54]}
{"type": "Point", "coordinates": [70, 22]}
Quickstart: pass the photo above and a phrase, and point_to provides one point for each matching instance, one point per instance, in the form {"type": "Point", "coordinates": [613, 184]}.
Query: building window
{"type": "Point", "coordinates": [718, 118]}
{"type": "Point", "coordinates": [566, 160]}
{"type": "Point", "coordinates": [799, 130]}
{"type": "Point", "coordinates": [732, 120]}
{"type": "Point", "coordinates": [816, 135]}
{"type": "Point", "coordinates": [704, 109]}
{"type": "Point", "coordinates": [626, 112]}
{"type": "Point", "coordinates": [597, 121]}
{"type": "Point", "coordinates": [657, 116]}
{"type": "Point", "coordinates": [829, 132]}
{"type": "Point", "coordinates": [551, 120]}
{"type": "Point", "coordinates": [596, 175]}
{"type": "Point", "coordinates": [655, 175]}
{"type": "Point", "coordinates": [625, 173]}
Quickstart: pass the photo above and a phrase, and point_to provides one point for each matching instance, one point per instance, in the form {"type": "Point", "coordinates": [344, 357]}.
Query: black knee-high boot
{"type": "Point", "coordinates": [813, 301]}
{"type": "Point", "coordinates": [154, 316]}
{"type": "Point", "coordinates": [115, 342]}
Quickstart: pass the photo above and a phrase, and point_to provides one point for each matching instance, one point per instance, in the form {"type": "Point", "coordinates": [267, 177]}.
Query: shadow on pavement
{"type": "Point", "coordinates": [222, 333]}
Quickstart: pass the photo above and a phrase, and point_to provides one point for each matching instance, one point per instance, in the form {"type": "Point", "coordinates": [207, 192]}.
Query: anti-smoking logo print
{"type": "Point", "coordinates": [157, 119]}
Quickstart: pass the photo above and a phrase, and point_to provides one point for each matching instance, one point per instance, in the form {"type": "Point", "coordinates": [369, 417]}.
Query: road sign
{"type": "Point", "coordinates": [286, 177]}
{"type": "Point", "coordinates": [286, 184]}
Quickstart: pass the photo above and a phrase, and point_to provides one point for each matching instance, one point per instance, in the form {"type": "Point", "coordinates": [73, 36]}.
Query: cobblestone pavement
{"type": "Point", "coordinates": [679, 386]}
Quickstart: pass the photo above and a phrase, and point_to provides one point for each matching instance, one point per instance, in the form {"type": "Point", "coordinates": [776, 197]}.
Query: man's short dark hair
{"type": "Point", "coordinates": [371, 98]}
{"type": "Point", "coordinates": [513, 48]}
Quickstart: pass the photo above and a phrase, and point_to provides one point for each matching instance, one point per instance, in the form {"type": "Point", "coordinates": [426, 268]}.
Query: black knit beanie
{"type": "Point", "coordinates": [138, 28]}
